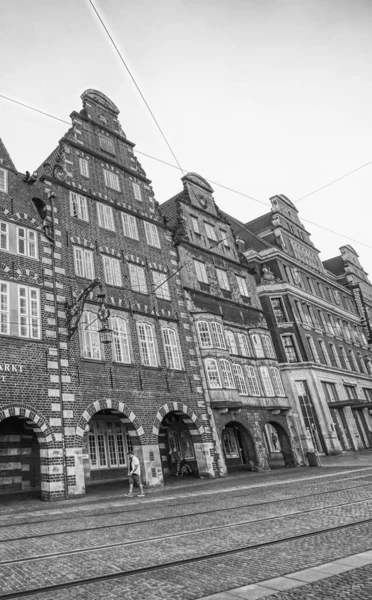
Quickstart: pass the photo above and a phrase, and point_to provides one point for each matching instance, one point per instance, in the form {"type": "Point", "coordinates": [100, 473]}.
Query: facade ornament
{"type": "Point", "coordinates": [267, 276]}
{"type": "Point", "coordinates": [296, 276]}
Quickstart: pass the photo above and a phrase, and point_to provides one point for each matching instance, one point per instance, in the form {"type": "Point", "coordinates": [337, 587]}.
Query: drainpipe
{"type": "Point", "coordinates": [51, 239]}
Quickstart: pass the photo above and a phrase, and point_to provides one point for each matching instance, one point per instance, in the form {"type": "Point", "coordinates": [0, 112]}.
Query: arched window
{"type": "Point", "coordinates": [277, 381]}
{"type": "Point", "coordinates": [268, 346]}
{"type": "Point", "coordinates": [227, 376]}
{"type": "Point", "coordinates": [204, 334]}
{"type": "Point", "coordinates": [171, 347]}
{"type": "Point", "coordinates": [90, 336]}
{"type": "Point", "coordinates": [254, 388]}
{"type": "Point", "coordinates": [266, 382]}
{"type": "Point", "coordinates": [213, 374]}
{"type": "Point", "coordinates": [239, 379]}
{"type": "Point", "coordinates": [217, 335]}
{"type": "Point", "coordinates": [244, 345]}
{"type": "Point", "coordinates": [120, 345]}
{"type": "Point", "coordinates": [147, 345]}
{"type": "Point", "coordinates": [257, 345]}
{"type": "Point", "coordinates": [231, 343]}
{"type": "Point", "coordinates": [108, 444]}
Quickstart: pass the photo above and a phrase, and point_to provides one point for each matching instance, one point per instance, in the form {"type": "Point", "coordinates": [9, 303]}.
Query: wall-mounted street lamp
{"type": "Point", "coordinates": [74, 311]}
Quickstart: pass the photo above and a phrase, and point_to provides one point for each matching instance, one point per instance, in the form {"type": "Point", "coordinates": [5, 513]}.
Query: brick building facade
{"type": "Point", "coordinates": [320, 336]}
{"type": "Point", "coordinates": [247, 403]}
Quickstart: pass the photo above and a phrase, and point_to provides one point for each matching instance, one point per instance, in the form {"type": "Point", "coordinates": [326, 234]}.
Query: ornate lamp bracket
{"type": "Point", "coordinates": [74, 311]}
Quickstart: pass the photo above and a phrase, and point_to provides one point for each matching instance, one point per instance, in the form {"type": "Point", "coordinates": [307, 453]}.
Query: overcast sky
{"type": "Point", "coordinates": [264, 96]}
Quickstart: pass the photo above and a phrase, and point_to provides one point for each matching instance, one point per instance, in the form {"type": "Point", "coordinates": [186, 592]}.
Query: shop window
{"type": "Point", "coordinates": [107, 444]}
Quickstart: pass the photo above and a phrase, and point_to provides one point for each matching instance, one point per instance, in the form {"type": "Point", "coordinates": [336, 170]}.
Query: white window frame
{"type": "Point", "coordinates": [120, 340]}
{"type": "Point", "coordinates": [231, 341]}
{"type": "Point", "coordinates": [112, 180]}
{"type": "Point", "coordinates": [240, 383]}
{"type": "Point", "coordinates": [204, 333]}
{"type": "Point", "coordinates": [268, 345]}
{"type": "Point", "coordinates": [129, 223]}
{"type": "Point", "coordinates": [78, 206]}
{"type": "Point", "coordinates": [223, 279]}
{"type": "Point", "coordinates": [105, 216]}
{"type": "Point", "coordinates": [90, 325]}
{"type": "Point", "coordinates": [112, 271]}
{"type": "Point", "coordinates": [201, 272]}
{"type": "Point", "coordinates": [313, 349]}
{"type": "Point", "coordinates": [4, 307]}
{"type": "Point", "coordinates": [3, 180]}
{"type": "Point", "coordinates": [29, 312]}
{"type": "Point", "coordinates": [152, 234]}
{"type": "Point", "coordinates": [171, 348]}
{"type": "Point", "coordinates": [227, 374]}
{"type": "Point", "coordinates": [211, 232]}
{"type": "Point", "coordinates": [4, 236]}
{"type": "Point", "coordinates": [253, 382]}
{"type": "Point", "coordinates": [267, 385]}
{"type": "Point", "coordinates": [213, 374]}
{"type": "Point", "coordinates": [242, 285]}
{"type": "Point", "coordinates": [147, 344]}
{"type": "Point", "coordinates": [137, 191]}
{"type": "Point", "coordinates": [217, 335]}
{"type": "Point", "coordinates": [161, 286]}
{"type": "Point", "coordinates": [244, 345]}
{"type": "Point", "coordinates": [257, 345]}
{"type": "Point", "coordinates": [277, 381]}
{"type": "Point", "coordinates": [84, 167]}
{"type": "Point", "coordinates": [84, 264]}
{"type": "Point", "coordinates": [195, 225]}
{"type": "Point", "coordinates": [294, 345]}
{"type": "Point", "coordinates": [137, 275]}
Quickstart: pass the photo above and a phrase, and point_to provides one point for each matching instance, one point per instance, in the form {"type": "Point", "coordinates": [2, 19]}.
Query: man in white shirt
{"type": "Point", "coordinates": [134, 473]}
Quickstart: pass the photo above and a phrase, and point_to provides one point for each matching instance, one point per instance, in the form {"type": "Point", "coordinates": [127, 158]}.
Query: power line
{"type": "Point", "coordinates": [135, 83]}
{"type": "Point", "coordinates": [334, 181]}
{"type": "Point", "coordinates": [209, 180]}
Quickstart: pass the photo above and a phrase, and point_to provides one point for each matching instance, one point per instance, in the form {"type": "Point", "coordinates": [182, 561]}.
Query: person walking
{"type": "Point", "coordinates": [134, 473]}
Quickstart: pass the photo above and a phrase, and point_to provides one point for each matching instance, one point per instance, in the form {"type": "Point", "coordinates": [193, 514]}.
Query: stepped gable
{"type": "Point", "coordinates": [5, 159]}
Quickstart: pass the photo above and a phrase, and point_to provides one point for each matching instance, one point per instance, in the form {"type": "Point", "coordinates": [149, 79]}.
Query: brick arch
{"type": "Point", "coordinates": [34, 419]}
{"type": "Point", "coordinates": [117, 407]}
{"type": "Point", "coordinates": [174, 407]}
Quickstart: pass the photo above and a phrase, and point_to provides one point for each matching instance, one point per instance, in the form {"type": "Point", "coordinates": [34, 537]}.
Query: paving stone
{"type": "Point", "coordinates": [281, 583]}
{"type": "Point", "coordinates": [308, 575]}
{"type": "Point", "coordinates": [251, 592]}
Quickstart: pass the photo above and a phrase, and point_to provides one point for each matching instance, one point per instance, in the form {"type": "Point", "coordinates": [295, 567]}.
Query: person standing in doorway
{"type": "Point", "coordinates": [134, 473]}
{"type": "Point", "coordinates": [176, 459]}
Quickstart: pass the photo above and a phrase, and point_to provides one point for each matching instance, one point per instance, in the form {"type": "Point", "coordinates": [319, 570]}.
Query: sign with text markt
{"type": "Point", "coordinates": [10, 368]}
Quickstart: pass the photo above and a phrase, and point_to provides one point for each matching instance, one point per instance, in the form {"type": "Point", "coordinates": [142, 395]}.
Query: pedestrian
{"type": "Point", "coordinates": [134, 473]}
{"type": "Point", "coordinates": [175, 458]}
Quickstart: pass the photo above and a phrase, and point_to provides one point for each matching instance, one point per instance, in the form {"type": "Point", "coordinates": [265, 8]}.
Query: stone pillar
{"type": "Point", "coordinates": [204, 453]}
{"type": "Point", "coordinates": [52, 475]}
{"type": "Point", "coordinates": [151, 468]}
{"type": "Point", "coordinates": [76, 472]}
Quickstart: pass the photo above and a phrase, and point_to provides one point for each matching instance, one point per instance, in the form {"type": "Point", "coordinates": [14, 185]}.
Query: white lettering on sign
{"type": "Point", "coordinates": [9, 368]}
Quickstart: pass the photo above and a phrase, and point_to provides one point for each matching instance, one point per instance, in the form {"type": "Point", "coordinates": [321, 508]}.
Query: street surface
{"type": "Point", "coordinates": [195, 539]}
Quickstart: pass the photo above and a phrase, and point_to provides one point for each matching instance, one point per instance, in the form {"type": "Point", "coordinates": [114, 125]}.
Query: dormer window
{"type": "Point", "coordinates": [3, 181]}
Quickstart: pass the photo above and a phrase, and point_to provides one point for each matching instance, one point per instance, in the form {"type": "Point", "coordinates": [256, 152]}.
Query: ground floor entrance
{"type": "Point", "coordinates": [19, 457]}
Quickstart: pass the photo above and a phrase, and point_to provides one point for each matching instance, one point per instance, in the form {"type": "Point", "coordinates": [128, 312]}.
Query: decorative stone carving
{"type": "Point", "coordinates": [267, 276]}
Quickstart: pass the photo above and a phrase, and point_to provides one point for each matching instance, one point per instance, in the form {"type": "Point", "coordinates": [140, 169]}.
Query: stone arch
{"type": "Point", "coordinates": [242, 442]}
{"type": "Point", "coordinates": [34, 419]}
{"type": "Point", "coordinates": [174, 407]}
{"type": "Point", "coordinates": [116, 407]}
{"type": "Point", "coordinates": [284, 441]}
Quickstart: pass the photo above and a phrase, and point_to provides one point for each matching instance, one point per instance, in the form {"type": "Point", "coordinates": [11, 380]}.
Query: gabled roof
{"type": "Point", "coordinates": [169, 209]}
{"type": "Point", "coordinates": [261, 223]}
{"type": "Point", "coordinates": [251, 241]}
{"type": "Point", "coordinates": [5, 159]}
{"type": "Point", "coordinates": [335, 265]}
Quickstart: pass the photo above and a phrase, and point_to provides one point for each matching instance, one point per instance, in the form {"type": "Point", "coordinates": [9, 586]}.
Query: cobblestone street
{"type": "Point", "coordinates": [193, 540]}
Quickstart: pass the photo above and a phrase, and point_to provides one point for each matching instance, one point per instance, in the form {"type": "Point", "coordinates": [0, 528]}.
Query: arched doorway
{"type": "Point", "coordinates": [108, 439]}
{"type": "Point", "coordinates": [238, 447]}
{"type": "Point", "coordinates": [278, 446]}
{"type": "Point", "coordinates": [20, 457]}
{"type": "Point", "coordinates": [175, 433]}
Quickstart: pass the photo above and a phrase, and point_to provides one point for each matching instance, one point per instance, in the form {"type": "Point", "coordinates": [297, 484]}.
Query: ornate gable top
{"type": "Point", "coordinates": [198, 180]}
{"type": "Point", "coordinates": [280, 197]}
{"type": "Point", "coordinates": [99, 98]}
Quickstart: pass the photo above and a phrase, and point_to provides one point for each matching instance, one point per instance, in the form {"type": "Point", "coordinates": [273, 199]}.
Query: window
{"type": "Point", "coordinates": [242, 285]}
{"type": "Point", "coordinates": [222, 279]}
{"type": "Point", "coordinates": [111, 268]}
{"type": "Point", "coordinates": [266, 382]}
{"type": "Point", "coordinates": [368, 394]}
{"type": "Point", "coordinates": [120, 346]}
{"type": "Point", "coordinates": [354, 364]}
{"type": "Point", "coordinates": [78, 206]}
{"type": "Point", "coordinates": [106, 144]}
{"type": "Point", "coordinates": [152, 235]}
{"type": "Point", "coordinates": [137, 191]}
{"type": "Point", "coordinates": [310, 284]}
{"type": "Point", "coordinates": [84, 265]}
{"type": "Point", "coordinates": [313, 351]}
{"type": "Point", "coordinates": [245, 349]}
{"type": "Point", "coordinates": [231, 343]}
{"type": "Point", "coordinates": [334, 358]}
{"type": "Point", "coordinates": [345, 358]}
{"type": "Point", "coordinates": [137, 278]}
{"type": "Point", "coordinates": [225, 238]}
{"type": "Point", "coordinates": [320, 289]}
{"type": "Point", "coordinates": [212, 373]}
{"type": "Point", "coordinates": [105, 216]}
{"type": "Point", "coordinates": [204, 334]}
{"type": "Point", "coordinates": [347, 333]}
{"type": "Point", "coordinates": [171, 347]}
{"type": "Point", "coordinates": [288, 273]}
{"type": "Point", "coordinates": [3, 180]}
{"type": "Point", "coordinates": [277, 381]}
{"type": "Point", "coordinates": [307, 314]}
{"type": "Point", "coordinates": [278, 309]}
{"type": "Point", "coordinates": [268, 346]}
{"type": "Point", "coordinates": [129, 226]}
{"type": "Point", "coordinates": [201, 272]}
{"type": "Point", "coordinates": [257, 345]}
{"type": "Point", "coordinates": [147, 344]}
{"type": "Point", "coordinates": [4, 307]}
{"type": "Point", "coordinates": [217, 335]}
{"type": "Point", "coordinates": [323, 353]}
{"type": "Point", "coordinates": [321, 320]}
{"type": "Point", "coordinates": [253, 384]}
{"type": "Point", "coordinates": [107, 444]}
{"type": "Point", "coordinates": [161, 287]}
{"type": "Point", "coordinates": [4, 236]}
{"type": "Point", "coordinates": [350, 392]}
{"type": "Point", "coordinates": [289, 348]}
{"type": "Point", "coordinates": [26, 242]}
{"type": "Point", "coordinates": [227, 376]}
{"type": "Point", "coordinates": [90, 336]}
{"type": "Point", "coordinates": [239, 379]}
{"type": "Point", "coordinates": [29, 312]}
{"type": "Point", "coordinates": [330, 391]}
{"type": "Point", "coordinates": [211, 232]}
{"type": "Point", "coordinates": [84, 167]}
{"type": "Point", "coordinates": [298, 311]}
{"type": "Point", "coordinates": [111, 180]}
{"type": "Point", "coordinates": [195, 225]}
